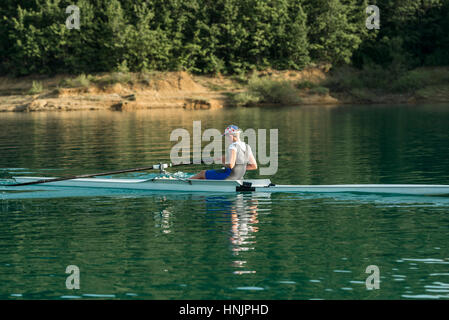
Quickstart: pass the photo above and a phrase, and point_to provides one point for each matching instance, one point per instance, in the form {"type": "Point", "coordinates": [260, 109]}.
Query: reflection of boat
{"type": "Point", "coordinates": [260, 185]}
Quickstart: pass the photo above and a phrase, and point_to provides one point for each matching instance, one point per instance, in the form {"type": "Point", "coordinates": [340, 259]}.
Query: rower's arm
{"type": "Point", "coordinates": [232, 159]}
{"type": "Point", "coordinates": [252, 164]}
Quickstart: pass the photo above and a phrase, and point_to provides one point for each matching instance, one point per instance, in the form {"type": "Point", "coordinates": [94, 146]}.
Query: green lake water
{"type": "Point", "coordinates": [141, 245]}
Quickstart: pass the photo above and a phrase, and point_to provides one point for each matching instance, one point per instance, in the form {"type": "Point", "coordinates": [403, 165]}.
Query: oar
{"type": "Point", "coordinates": [154, 167]}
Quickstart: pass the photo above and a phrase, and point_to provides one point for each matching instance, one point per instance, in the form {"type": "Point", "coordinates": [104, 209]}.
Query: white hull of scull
{"type": "Point", "coordinates": [260, 185]}
{"type": "Point", "coordinates": [404, 189]}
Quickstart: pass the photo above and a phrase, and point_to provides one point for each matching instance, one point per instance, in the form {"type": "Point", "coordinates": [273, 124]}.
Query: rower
{"type": "Point", "coordinates": [239, 158]}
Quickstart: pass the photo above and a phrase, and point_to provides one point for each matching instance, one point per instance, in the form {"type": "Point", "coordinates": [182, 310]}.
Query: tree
{"type": "Point", "coordinates": [413, 33]}
{"type": "Point", "coordinates": [333, 36]}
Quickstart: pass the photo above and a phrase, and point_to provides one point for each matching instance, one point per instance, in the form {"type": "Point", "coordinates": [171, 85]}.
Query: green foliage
{"type": "Point", "coordinates": [273, 91]}
{"type": "Point", "coordinates": [122, 67]}
{"type": "Point", "coordinates": [82, 81]}
{"type": "Point", "coordinates": [224, 36]}
{"type": "Point", "coordinates": [221, 36]}
{"type": "Point", "coordinates": [362, 94]}
{"type": "Point", "coordinates": [35, 38]}
{"type": "Point", "coordinates": [312, 87]}
{"type": "Point", "coordinates": [371, 76]}
{"type": "Point", "coordinates": [319, 90]}
{"type": "Point", "coordinates": [245, 98]}
{"type": "Point", "coordinates": [412, 34]}
{"type": "Point", "coordinates": [344, 79]}
{"type": "Point", "coordinates": [36, 88]}
{"type": "Point", "coordinates": [241, 78]}
{"type": "Point", "coordinates": [305, 85]}
{"type": "Point", "coordinates": [364, 84]}
{"type": "Point", "coordinates": [113, 78]}
{"type": "Point", "coordinates": [420, 78]}
{"type": "Point", "coordinates": [438, 93]}
{"type": "Point", "coordinates": [266, 90]}
{"type": "Point", "coordinates": [334, 36]}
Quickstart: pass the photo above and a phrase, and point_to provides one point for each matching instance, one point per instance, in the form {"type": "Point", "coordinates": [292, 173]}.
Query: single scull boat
{"type": "Point", "coordinates": [259, 185]}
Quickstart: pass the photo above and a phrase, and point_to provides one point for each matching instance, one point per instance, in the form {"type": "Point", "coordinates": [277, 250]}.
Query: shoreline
{"type": "Point", "coordinates": [181, 90]}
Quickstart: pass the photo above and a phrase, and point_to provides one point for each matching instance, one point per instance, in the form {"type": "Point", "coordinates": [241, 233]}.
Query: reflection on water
{"type": "Point", "coordinates": [243, 212]}
{"type": "Point", "coordinates": [346, 144]}
{"type": "Point", "coordinates": [140, 245]}
{"type": "Point", "coordinates": [244, 228]}
{"type": "Point", "coordinates": [225, 246]}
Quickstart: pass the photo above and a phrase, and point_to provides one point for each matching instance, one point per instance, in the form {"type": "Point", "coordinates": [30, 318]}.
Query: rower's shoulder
{"type": "Point", "coordinates": [233, 145]}
{"type": "Point", "coordinates": [240, 144]}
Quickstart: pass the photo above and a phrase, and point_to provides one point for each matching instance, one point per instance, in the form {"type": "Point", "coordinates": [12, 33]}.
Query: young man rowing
{"type": "Point", "coordinates": [238, 158]}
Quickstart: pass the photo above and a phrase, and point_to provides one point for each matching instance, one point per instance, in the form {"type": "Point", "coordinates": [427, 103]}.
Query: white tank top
{"type": "Point", "coordinates": [243, 155]}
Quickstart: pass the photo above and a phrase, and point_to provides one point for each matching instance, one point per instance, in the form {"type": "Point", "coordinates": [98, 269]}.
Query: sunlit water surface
{"type": "Point", "coordinates": [140, 245]}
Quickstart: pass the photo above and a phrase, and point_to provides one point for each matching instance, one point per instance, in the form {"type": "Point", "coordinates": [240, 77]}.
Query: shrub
{"type": "Point", "coordinates": [82, 81]}
{"type": "Point", "coordinates": [36, 88]}
{"type": "Point", "coordinates": [113, 78]}
{"type": "Point", "coordinates": [435, 93]}
{"type": "Point", "coordinates": [305, 85]}
{"type": "Point", "coordinates": [145, 77]}
{"type": "Point", "coordinates": [420, 78]}
{"type": "Point", "coordinates": [245, 99]}
{"type": "Point", "coordinates": [410, 81]}
{"type": "Point", "coordinates": [362, 94]}
{"type": "Point", "coordinates": [122, 67]}
{"type": "Point", "coordinates": [272, 91]}
{"type": "Point", "coordinates": [371, 76]}
{"type": "Point", "coordinates": [319, 90]}
{"type": "Point", "coordinates": [241, 78]}
{"type": "Point", "coordinates": [343, 79]}
{"type": "Point", "coordinates": [375, 77]}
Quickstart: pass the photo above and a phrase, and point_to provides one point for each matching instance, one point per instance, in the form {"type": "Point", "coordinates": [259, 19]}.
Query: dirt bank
{"type": "Point", "coordinates": [127, 92]}
{"type": "Point", "coordinates": [167, 90]}
{"type": "Point", "coordinates": [134, 91]}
